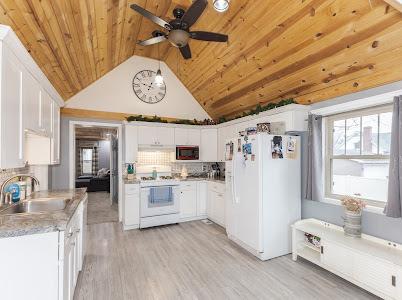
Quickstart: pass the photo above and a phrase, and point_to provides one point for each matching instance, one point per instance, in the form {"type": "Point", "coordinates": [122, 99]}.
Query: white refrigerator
{"type": "Point", "coordinates": [263, 192]}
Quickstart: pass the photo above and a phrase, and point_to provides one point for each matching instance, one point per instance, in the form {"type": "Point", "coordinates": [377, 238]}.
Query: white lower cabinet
{"type": "Point", "coordinates": [216, 203]}
{"type": "Point", "coordinates": [369, 262]}
{"type": "Point", "coordinates": [188, 200]}
{"type": "Point", "coordinates": [73, 251]}
{"type": "Point", "coordinates": [131, 206]}
{"type": "Point", "coordinates": [337, 258]}
{"type": "Point", "coordinates": [46, 264]}
{"type": "Point", "coordinates": [202, 194]}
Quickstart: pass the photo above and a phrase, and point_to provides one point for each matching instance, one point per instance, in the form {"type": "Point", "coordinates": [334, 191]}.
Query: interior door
{"type": "Point", "coordinates": [114, 156]}
{"type": "Point", "coordinates": [247, 196]}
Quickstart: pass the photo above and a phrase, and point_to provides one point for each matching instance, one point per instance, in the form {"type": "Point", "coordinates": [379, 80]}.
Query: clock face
{"type": "Point", "coordinates": [145, 88]}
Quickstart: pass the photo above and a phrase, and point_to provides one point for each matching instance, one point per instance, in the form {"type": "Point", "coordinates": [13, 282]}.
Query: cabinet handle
{"type": "Point", "coordinates": [77, 230]}
{"type": "Point", "coordinates": [393, 280]}
{"type": "Point", "coordinates": [322, 249]}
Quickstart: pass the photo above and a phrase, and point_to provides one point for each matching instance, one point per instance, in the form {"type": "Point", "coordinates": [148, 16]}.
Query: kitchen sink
{"type": "Point", "coordinates": [37, 206]}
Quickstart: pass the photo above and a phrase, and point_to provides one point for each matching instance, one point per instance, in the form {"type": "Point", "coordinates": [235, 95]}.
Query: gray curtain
{"type": "Point", "coordinates": [315, 179]}
{"type": "Point", "coordinates": [394, 204]}
{"type": "Point", "coordinates": [95, 161]}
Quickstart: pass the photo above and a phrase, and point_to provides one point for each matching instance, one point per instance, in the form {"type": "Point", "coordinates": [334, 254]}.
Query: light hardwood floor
{"type": "Point", "coordinates": [195, 261]}
{"type": "Point", "coordinates": [100, 210]}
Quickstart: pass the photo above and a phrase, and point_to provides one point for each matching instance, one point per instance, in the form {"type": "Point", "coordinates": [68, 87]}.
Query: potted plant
{"type": "Point", "coordinates": [353, 216]}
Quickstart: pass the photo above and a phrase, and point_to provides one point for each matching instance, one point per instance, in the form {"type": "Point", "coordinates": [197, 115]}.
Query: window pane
{"type": "Point", "coordinates": [353, 136]}
{"type": "Point", "coordinates": [87, 167]}
{"type": "Point", "coordinates": [365, 178]}
{"type": "Point", "coordinates": [385, 133]}
{"type": "Point", "coordinates": [86, 154]}
{"type": "Point", "coordinates": [370, 134]}
{"type": "Point", "coordinates": [339, 138]}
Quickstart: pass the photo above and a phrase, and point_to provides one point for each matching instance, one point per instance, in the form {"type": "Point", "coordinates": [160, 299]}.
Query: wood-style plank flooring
{"type": "Point", "coordinates": [100, 210]}
{"type": "Point", "coordinates": [195, 261]}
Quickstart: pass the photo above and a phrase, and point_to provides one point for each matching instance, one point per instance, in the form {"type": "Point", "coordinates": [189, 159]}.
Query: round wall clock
{"type": "Point", "coordinates": [145, 88]}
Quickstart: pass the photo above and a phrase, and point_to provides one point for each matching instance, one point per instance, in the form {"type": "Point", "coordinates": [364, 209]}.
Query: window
{"type": "Point", "coordinates": [357, 158]}
{"type": "Point", "coordinates": [87, 161]}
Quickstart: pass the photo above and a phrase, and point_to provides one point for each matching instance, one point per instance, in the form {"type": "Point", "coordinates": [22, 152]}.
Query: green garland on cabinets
{"type": "Point", "coordinates": [258, 109]}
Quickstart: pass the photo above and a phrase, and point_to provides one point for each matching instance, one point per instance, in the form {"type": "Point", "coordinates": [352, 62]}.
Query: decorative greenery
{"type": "Point", "coordinates": [258, 109]}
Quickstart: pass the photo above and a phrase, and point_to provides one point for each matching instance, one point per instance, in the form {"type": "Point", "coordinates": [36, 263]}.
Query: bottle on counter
{"type": "Point", "coordinates": [154, 173]}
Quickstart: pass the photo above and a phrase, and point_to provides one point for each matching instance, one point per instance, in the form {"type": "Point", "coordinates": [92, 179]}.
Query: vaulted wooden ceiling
{"type": "Point", "coordinates": [310, 50]}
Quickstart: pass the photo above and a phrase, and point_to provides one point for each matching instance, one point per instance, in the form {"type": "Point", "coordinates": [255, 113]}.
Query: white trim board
{"type": "Point", "coordinates": [71, 149]}
{"type": "Point", "coordinates": [357, 104]}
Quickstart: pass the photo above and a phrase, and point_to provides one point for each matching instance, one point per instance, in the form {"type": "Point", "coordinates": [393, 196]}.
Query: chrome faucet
{"type": "Point", "coordinates": [34, 182]}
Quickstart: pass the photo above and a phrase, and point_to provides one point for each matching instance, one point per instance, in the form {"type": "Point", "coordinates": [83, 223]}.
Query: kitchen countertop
{"type": "Point", "coordinates": [220, 180]}
{"type": "Point", "coordinates": [32, 223]}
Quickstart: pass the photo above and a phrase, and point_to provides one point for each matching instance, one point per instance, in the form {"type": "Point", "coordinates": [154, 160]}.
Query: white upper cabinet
{"type": "Point", "coordinates": [12, 133]}
{"type": "Point", "coordinates": [30, 117]}
{"type": "Point", "coordinates": [187, 136]}
{"type": "Point", "coordinates": [209, 145]}
{"type": "Point", "coordinates": [155, 136]}
{"type": "Point", "coordinates": [131, 144]}
{"type": "Point", "coordinates": [55, 144]}
{"type": "Point", "coordinates": [31, 102]}
{"type": "Point", "coordinates": [46, 113]}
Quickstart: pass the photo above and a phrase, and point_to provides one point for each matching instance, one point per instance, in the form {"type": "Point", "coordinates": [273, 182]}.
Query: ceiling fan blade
{"type": "Point", "coordinates": [186, 52]}
{"type": "Point", "coordinates": [152, 41]}
{"type": "Point", "coordinates": [208, 36]}
{"type": "Point", "coordinates": [151, 17]}
{"type": "Point", "coordinates": [194, 12]}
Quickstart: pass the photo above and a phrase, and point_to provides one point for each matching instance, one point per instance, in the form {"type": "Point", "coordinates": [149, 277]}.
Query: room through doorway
{"type": "Point", "coordinates": [96, 168]}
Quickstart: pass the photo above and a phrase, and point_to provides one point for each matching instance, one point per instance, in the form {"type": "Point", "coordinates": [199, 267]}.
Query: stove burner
{"type": "Point", "coordinates": [166, 177]}
{"type": "Point", "coordinates": [147, 178]}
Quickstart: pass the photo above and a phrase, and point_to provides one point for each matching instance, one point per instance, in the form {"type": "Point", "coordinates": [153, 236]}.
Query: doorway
{"type": "Point", "coordinates": [95, 164]}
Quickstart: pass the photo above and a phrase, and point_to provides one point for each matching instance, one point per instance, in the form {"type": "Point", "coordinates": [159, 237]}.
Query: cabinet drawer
{"type": "Point", "coordinates": [188, 185]}
{"type": "Point", "coordinates": [217, 187]}
{"type": "Point", "coordinates": [132, 189]}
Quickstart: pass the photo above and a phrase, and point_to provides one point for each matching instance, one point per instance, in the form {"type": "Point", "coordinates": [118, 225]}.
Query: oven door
{"type": "Point", "coordinates": [159, 200]}
{"type": "Point", "coordinates": [187, 153]}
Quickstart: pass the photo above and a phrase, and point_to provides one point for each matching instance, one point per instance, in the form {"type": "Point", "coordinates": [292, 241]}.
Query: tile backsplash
{"type": "Point", "coordinates": [6, 173]}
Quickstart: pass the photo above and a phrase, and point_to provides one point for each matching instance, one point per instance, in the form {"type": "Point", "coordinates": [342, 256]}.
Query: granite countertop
{"type": "Point", "coordinates": [220, 180]}
{"type": "Point", "coordinates": [32, 223]}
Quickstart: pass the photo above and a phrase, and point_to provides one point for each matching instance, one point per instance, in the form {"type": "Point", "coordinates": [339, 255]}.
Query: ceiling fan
{"type": "Point", "coordinates": [179, 29]}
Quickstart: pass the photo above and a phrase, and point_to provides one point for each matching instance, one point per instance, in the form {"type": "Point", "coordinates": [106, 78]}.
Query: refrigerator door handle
{"type": "Point", "coordinates": [233, 178]}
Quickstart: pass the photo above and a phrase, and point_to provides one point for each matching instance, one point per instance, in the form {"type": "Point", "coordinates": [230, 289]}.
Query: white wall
{"type": "Point", "coordinates": [114, 93]}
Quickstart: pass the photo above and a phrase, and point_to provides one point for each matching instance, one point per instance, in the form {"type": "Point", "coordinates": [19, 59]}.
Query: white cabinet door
{"type": "Point", "coordinates": [131, 205]}
{"type": "Point", "coordinates": [55, 143]}
{"type": "Point", "coordinates": [131, 144]}
{"type": "Point", "coordinates": [224, 134]}
{"type": "Point", "coordinates": [12, 131]}
{"type": "Point", "coordinates": [146, 135]}
{"type": "Point", "coordinates": [202, 195]}
{"type": "Point", "coordinates": [209, 145]}
{"type": "Point", "coordinates": [375, 273]}
{"type": "Point", "coordinates": [31, 102]}
{"type": "Point", "coordinates": [194, 137]}
{"type": "Point", "coordinates": [337, 258]}
{"type": "Point", "coordinates": [46, 113]}
{"type": "Point", "coordinates": [180, 137]}
{"type": "Point", "coordinates": [164, 136]}
{"type": "Point", "coordinates": [220, 209]}
{"type": "Point", "coordinates": [188, 200]}
{"type": "Point", "coordinates": [30, 267]}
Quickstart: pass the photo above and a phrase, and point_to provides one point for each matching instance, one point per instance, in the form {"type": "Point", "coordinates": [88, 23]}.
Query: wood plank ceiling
{"type": "Point", "coordinates": [310, 50]}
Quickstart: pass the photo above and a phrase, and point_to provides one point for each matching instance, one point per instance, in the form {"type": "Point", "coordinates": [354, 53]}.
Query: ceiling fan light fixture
{"type": "Point", "coordinates": [159, 78]}
{"type": "Point", "coordinates": [179, 38]}
{"type": "Point", "coordinates": [221, 5]}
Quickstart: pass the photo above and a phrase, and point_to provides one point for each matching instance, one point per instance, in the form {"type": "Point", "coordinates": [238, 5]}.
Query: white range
{"type": "Point", "coordinates": [159, 202]}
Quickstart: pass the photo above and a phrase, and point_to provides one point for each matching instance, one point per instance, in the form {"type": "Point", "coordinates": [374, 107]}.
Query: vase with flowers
{"type": "Point", "coordinates": [353, 216]}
